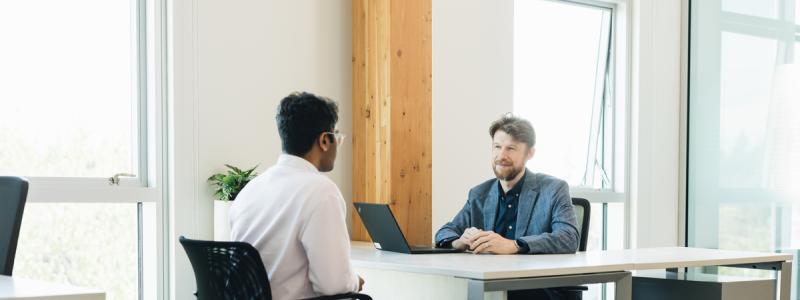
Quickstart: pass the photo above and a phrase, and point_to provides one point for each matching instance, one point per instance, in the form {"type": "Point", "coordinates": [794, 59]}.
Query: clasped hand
{"type": "Point", "coordinates": [479, 241]}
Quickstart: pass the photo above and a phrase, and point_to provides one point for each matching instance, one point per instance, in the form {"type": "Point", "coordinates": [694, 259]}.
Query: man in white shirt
{"type": "Point", "coordinates": [293, 214]}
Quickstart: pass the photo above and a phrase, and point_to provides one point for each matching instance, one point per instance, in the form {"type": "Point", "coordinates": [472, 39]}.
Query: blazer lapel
{"type": "Point", "coordinates": [490, 208]}
{"type": "Point", "coordinates": [527, 201]}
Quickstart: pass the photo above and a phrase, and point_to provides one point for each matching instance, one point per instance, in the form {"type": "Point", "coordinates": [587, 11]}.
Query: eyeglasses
{"type": "Point", "coordinates": [337, 135]}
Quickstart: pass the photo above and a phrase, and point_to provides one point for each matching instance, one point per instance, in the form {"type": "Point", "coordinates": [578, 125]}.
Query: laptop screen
{"type": "Point", "coordinates": [382, 227]}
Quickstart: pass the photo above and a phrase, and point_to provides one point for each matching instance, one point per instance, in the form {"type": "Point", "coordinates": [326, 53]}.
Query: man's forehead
{"type": "Point", "coordinates": [509, 140]}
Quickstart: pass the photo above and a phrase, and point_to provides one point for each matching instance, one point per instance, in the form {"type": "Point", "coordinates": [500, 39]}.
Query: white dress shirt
{"type": "Point", "coordinates": [295, 217]}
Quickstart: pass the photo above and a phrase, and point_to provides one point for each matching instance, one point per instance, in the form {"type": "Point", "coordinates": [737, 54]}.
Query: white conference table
{"type": "Point", "coordinates": [470, 276]}
{"type": "Point", "coordinates": [19, 288]}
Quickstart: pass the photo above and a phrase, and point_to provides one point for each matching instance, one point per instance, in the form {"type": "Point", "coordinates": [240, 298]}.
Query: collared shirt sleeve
{"type": "Point", "coordinates": [327, 246]}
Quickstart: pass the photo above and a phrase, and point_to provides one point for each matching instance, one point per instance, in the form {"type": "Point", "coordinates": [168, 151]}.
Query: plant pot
{"type": "Point", "coordinates": [222, 227]}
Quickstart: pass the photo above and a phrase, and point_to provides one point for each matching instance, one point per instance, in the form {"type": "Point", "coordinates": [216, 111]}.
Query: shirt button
{"type": "Point", "coordinates": [509, 206]}
{"type": "Point", "coordinates": [510, 227]}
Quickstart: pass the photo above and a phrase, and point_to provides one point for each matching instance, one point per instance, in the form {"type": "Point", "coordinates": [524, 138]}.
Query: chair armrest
{"type": "Point", "coordinates": [358, 296]}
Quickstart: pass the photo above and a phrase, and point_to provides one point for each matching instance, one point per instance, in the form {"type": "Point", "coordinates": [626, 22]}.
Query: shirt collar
{"type": "Point", "coordinates": [297, 162]}
{"type": "Point", "coordinates": [516, 190]}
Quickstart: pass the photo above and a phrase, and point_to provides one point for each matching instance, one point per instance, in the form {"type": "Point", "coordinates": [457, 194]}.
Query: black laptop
{"type": "Point", "coordinates": [386, 234]}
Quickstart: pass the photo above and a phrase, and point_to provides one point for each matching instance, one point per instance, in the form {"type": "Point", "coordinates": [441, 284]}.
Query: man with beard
{"type": "Point", "coordinates": [518, 212]}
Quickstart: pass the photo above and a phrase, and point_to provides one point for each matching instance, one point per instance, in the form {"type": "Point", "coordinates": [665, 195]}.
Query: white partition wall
{"type": "Point", "coordinates": [472, 86]}
{"type": "Point", "coordinates": [233, 62]}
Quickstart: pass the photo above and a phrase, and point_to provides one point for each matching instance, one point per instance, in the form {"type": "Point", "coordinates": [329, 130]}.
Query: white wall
{"type": "Point", "coordinates": [472, 86]}
{"type": "Point", "coordinates": [655, 110]}
{"type": "Point", "coordinates": [233, 62]}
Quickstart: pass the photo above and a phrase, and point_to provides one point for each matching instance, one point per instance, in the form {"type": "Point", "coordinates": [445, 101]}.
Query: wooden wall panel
{"type": "Point", "coordinates": [370, 105]}
{"type": "Point", "coordinates": [392, 112]}
{"type": "Point", "coordinates": [411, 117]}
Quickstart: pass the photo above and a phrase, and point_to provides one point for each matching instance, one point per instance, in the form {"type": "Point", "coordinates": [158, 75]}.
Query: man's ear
{"type": "Point", "coordinates": [323, 142]}
{"type": "Point", "coordinates": [531, 151]}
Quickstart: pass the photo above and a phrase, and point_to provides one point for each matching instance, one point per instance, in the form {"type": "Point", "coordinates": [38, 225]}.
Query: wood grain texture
{"type": "Point", "coordinates": [392, 112]}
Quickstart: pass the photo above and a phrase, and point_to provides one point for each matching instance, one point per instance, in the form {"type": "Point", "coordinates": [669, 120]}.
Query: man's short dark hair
{"type": "Point", "coordinates": [518, 128]}
{"type": "Point", "coordinates": [301, 118]}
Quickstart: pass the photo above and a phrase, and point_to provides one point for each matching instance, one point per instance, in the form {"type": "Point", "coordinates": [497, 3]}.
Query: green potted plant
{"type": "Point", "coordinates": [226, 187]}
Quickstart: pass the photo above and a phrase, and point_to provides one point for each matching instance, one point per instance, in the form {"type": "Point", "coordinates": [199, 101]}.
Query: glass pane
{"type": "Point", "coordinates": [745, 226]}
{"type": "Point", "coordinates": [727, 146]}
{"type": "Point", "coordinates": [797, 12]}
{"type": "Point", "coordinates": [747, 66]}
{"type": "Point", "coordinates": [616, 226]}
{"type": "Point", "coordinates": [738, 191]}
{"type": "Point", "coordinates": [83, 244]}
{"type": "Point", "coordinates": [760, 8]}
{"type": "Point", "coordinates": [743, 137]}
{"type": "Point", "coordinates": [595, 239]}
{"type": "Point", "coordinates": [595, 292]}
{"type": "Point", "coordinates": [149, 253]}
{"type": "Point", "coordinates": [560, 52]}
{"type": "Point", "coordinates": [616, 229]}
{"type": "Point", "coordinates": [67, 87]}
{"type": "Point", "coordinates": [797, 51]}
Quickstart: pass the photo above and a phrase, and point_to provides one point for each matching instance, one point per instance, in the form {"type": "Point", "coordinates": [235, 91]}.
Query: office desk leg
{"type": "Point", "coordinates": [785, 288]}
{"type": "Point", "coordinates": [623, 288]}
{"type": "Point", "coordinates": [477, 289]}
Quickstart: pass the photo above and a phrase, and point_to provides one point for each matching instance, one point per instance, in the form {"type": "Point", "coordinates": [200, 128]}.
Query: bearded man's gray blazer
{"type": "Point", "coordinates": [545, 217]}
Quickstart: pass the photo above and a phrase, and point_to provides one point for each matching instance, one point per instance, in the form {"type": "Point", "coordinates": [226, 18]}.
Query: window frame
{"type": "Point", "coordinates": [618, 107]}
{"type": "Point", "coordinates": [149, 27]}
{"type": "Point", "coordinates": [146, 135]}
{"type": "Point", "coordinates": [751, 26]}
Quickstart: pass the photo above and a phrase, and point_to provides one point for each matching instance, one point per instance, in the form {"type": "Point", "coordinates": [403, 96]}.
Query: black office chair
{"type": "Point", "coordinates": [234, 271]}
{"type": "Point", "coordinates": [582, 209]}
{"type": "Point", "coordinates": [13, 193]}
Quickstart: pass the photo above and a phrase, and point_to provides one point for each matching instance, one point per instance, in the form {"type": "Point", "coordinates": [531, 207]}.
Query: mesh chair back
{"type": "Point", "coordinates": [13, 192]}
{"type": "Point", "coordinates": [582, 209]}
{"type": "Point", "coordinates": [227, 270]}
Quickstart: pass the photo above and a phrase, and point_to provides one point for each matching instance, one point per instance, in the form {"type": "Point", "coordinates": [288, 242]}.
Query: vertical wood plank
{"type": "Point", "coordinates": [392, 112]}
{"type": "Point", "coordinates": [360, 111]}
{"type": "Point", "coordinates": [411, 117]}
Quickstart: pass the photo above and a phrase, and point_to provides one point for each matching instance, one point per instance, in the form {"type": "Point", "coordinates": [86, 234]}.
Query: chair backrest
{"type": "Point", "coordinates": [227, 270]}
{"type": "Point", "coordinates": [13, 192]}
{"type": "Point", "coordinates": [582, 209]}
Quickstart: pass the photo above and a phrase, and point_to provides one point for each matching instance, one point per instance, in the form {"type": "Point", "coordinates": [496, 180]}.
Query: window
{"type": "Point", "coordinates": [744, 82]}
{"type": "Point", "coordinates": [797, 51]}
{"type": "Point", "coordinates": [565, 61]}
{"type": "Point", "coordinates": [79, 106]}
{"type": "Point", "coordinates": [69, 89]}
{"type": "Point", "coordinates": [561, 84]}
{"type": "Point", "coordinates": [763, 8]}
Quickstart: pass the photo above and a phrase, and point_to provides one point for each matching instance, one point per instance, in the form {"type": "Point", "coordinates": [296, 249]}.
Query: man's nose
{"type": "Point", "coordinates": [502, 154]}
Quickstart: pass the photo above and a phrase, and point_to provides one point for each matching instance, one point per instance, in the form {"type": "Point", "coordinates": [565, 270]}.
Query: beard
{"type": "Point", "coordinates": [507, 173]}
